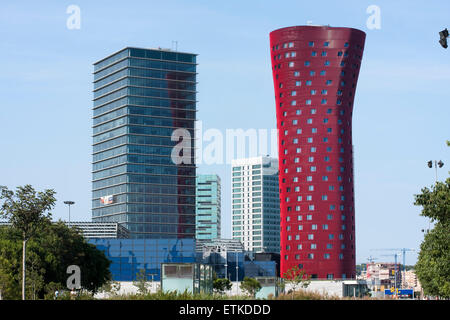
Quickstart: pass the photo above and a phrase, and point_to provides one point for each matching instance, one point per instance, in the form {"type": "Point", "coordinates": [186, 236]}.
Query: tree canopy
{"type": "Point", "coordinates": [433, 264]}
{"type": "Point", "coordinates": [53, 248]}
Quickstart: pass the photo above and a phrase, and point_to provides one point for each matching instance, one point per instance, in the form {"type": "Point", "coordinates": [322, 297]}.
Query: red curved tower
{"type": "Point", "coordinates": [315, 71]}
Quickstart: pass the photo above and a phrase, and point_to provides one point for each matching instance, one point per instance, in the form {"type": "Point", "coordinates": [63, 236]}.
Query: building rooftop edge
{"type": "Point", "coordinates": [317, 26]}
{"type": "Point", "coordinates": [155, 49]}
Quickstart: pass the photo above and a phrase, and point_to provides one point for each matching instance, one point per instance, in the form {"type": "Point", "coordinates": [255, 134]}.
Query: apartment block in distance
{"type": "Point", "coordinates": [315, 72]}
{"type": "Point", "coordinates": [208, 207]}
{"type": "Point", "coordinates": [255, 204]}
{"type": "Point", "coordinates": [140, 97]}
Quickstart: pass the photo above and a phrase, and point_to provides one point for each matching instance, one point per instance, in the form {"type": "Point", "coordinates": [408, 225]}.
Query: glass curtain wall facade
{"type": "Point", "coordinates": [255, 204]}
{"type": "Point", "coordinates": [130, 256]}
{"type": "Point", "coordinates": [140, 97]}
{"type": "Point", "coordinates": [208, 206]}
{"type": "Point", "coordinates": [315, 72]}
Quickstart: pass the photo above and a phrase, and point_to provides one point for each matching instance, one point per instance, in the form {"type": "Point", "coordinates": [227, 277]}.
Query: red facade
{"type": "Point", "coordinates": [315, 71]}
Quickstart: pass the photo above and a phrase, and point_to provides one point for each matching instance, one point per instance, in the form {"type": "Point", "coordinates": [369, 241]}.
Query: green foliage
{"type": "Point", "coordinates": [175, 295]}
{"type": "Point", "coordinates": [52, 249]}
{"type": "Point", "coordinates": [25, 209]}
{"type": "Point", "coordinates": [251, 286]}
{"type": "Point", "coordinates": [141, 282]}
{"type": "Point", "coordinates": [297, 278]}
{"type": "Point", "coordinates": [433, 265]}
{"type": "Point", "coordinates": [221, 285]}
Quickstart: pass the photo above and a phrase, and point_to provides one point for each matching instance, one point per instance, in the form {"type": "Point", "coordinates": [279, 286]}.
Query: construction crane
{"type": "Point", "coordinates": [403, 250]}
{"type": "Point", "coordinates": [395, 269]}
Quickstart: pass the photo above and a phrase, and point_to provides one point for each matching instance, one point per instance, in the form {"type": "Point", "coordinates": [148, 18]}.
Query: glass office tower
{"type": "Point", "coordinates": [140, 97]}
{"type": "Point", "coordinates": [208, 206]}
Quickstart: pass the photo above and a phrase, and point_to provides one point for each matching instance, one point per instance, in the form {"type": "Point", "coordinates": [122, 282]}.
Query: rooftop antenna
{"type": "Point", "coordinates": [309, 22]}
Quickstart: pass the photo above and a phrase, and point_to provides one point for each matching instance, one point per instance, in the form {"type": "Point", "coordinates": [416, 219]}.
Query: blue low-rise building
{"type": "Point", "coordinates": [130, 256]}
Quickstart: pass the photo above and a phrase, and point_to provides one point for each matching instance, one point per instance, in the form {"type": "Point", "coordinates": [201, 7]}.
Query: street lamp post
{"type": "Point", "coordinates": [437, 164]}
{"type": "Point", "coordinates": [69, 203]}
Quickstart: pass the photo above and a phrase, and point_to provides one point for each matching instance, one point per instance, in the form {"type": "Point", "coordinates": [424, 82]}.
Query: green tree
{"type": "Point", "coordinates": [27, 210]}
{"type": "Point", "coordinates": [297, 278]}
{"type": "Point", "coordinates": [433, 264]}
{"type": "Point", "coordinates": [141, 282]}
{"type": "Point", "coordinates": [54, 247]}
{"type": "Point", "coordinates": [221, 285]}
{"type": "Point", "coordinates": [251, 286]}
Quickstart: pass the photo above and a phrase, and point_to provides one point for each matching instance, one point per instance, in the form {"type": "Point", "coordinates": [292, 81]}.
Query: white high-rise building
{"type": "Point", "coordinates": [256, 204]}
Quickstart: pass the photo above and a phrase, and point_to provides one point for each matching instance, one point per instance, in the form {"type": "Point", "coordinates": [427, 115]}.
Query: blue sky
{"type": "Point", "coordinates": [400, 119]}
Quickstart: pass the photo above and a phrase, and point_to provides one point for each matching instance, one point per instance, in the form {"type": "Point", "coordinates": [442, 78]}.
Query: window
{"type": "Point", "coordinates": [313, 92]}
{"type": "Point", "coordinates": [326, 43]}
{"type": "Point", "coordinates": [324, 92]}
{"type": "Point", "coordinates": [298, 83]}
{"type": "Point", "coordinates": [313, 246]}
{"type": "Point", "coordinates": [308, 82]}
{"type": "Point", "coordinates": [313, 111]}
{"type": "Point", "coordinates": [313, 53]}
{"type": "Point", "coordinates": [323, 72]}
{"type": "Point", "coordinates": [310, 140]}
{"type": "Point", "coordinates": [324, 197]}
{"type": "Point", "coordinates": [314, 227]}
{"type": "Point", "coordinates": [295, 121]}
{"type": "Point", "coordinates": [311, 44]}
{"type": "Point", "coordinates": [309, 178]}
{"type": "Point", "coordinates": [299, 131]}
{"type": "Point", "coordinates": [309, 121]}
{"type": "Point", "coordinates": [326, 63]}
{"type": "Point", "coordinates": [310, 255]}
{"type": "Point", "coordinates": [298, 112]}
{"type": "Point", "coordinates": [326, 256]}
{"type": "Point", "coordinates": [308, 217]}
{"type": "Point", "coordinates": [313, 169]}
{"type": "Point", "coordinates": [308, 102]}
{"type": "Point", "coordinates": [310, 237]}
{"type": "Point", "coordinates": [312, 73]}
{"type": "Point", "coordinates": [293, 102]}
{"type": "Point", "coordinates": [311, 207]}
{"type": "Point", "coordinates": [296, 73]}
{"type": "Point", "coordinates": [324, 54]}
{"type": "Point", "coordinates": [291, 44]}
{"type": "Point", "coordinates": [307, 63]}
{"type": "Point", "coordinates": [291, 64]}
{"type": "Point", "coordinates": [324, 101]}
{"type": "Point", "coordinates": [324, 178]}
{"type": "Point", "coordinates": [328, 82]}
{"type": "Point", "coordinates": [293, 93]}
